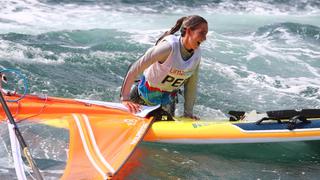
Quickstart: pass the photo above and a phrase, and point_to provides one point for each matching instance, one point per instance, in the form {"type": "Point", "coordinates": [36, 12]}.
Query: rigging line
{"type": "Point", "coordinates": [40, 111]}
{"type": "Point", "coordinates": [21, 76]}
{"type": "Point", "coordinates": [25, 83]}
{"type": "Point", "coordinates": [17, 111]}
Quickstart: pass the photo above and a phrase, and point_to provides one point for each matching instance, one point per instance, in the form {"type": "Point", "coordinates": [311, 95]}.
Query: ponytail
{"type": "Point", "coordinates": [173, 30]}
{"type": "Point", "coordinates": [182, 24]}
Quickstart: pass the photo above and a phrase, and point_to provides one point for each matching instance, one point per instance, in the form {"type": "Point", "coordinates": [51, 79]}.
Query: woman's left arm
{"type": "Point", "coordinates": [190, 93]}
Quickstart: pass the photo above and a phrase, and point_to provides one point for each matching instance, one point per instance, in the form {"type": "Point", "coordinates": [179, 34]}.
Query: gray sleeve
{"type": "Point", "coordinates": [190, 92]}
{"type": "Point", "coordinates": [158, 53]}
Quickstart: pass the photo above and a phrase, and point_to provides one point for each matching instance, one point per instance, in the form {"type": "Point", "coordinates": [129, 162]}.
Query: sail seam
{"type": "Point", "coordinates": [94, 143]}
{"type": "Point", "coordinates": [86, 148]}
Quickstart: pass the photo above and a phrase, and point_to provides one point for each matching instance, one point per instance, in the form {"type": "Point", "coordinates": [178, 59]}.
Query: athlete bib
{"type": "Point", "coordinates": [171, 74]}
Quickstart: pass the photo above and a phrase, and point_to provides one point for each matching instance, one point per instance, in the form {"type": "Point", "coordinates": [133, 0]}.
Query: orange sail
{"type": "Point", "coordinates": [100, 145]}
{"type": "Point", "coordinates": [102, 138]}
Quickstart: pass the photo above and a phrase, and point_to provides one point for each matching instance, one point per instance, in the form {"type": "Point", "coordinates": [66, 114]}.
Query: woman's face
{"type": "Point", "coordinates": [195, 37]}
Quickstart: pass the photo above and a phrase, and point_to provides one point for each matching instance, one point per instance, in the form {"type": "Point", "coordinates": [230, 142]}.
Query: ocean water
{"type": "Point", "coordinates": [262, 55]}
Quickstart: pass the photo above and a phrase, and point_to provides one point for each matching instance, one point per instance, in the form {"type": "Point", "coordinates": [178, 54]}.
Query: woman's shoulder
{"type": "Point", "coordinates": [164, 45]}
{"type": "Point", "coordinates": [171, 38]}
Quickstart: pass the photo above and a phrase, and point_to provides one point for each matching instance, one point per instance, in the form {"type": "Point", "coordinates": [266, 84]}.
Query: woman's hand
{"type": "Point", "coordinates": [132, 107]}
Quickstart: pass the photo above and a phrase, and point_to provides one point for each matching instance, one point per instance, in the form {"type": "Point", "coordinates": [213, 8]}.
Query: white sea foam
{"type": "Point", "coordinates": [260, 8]}
{"type": "Point", "coordinates": [25, 54]}
{"type": "Point", "coordinates": [33, 16]}
{"type": "Point", "coordinates": [36, 17]}
{"type": "Point", "coordinates": [146, 36]}
{"type": "Point", "coordinates": [43, 18]}
{"type": "Point", "coordinates": [208, 113]}
{"type": "Point", "coordinates": [253, 81]}
{"type": "Point", "coordinates": [293, 86]}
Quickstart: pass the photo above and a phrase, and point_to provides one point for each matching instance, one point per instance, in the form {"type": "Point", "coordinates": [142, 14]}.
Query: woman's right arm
{"type": "Point", "coordinates": [158, 53]}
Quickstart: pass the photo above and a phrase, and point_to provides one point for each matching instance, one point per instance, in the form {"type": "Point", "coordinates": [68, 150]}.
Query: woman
{"type": "Point", "coordinates": [172, 62]}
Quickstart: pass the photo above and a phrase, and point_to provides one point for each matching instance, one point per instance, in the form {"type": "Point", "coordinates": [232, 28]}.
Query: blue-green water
{"type": "Point", "coordinates": [262, 55]}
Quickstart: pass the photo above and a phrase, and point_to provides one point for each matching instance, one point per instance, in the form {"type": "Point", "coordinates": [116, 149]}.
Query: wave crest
{"type": "Point", "coordinates": [289, 30]}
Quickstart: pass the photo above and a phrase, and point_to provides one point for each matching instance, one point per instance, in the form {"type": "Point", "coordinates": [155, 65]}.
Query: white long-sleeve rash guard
{"type": "Point", "coordinates": [160, 53]}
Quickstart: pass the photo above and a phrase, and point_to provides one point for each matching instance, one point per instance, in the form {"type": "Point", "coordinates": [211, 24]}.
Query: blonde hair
{"type": "Point", "coordinates": [183, 23]}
